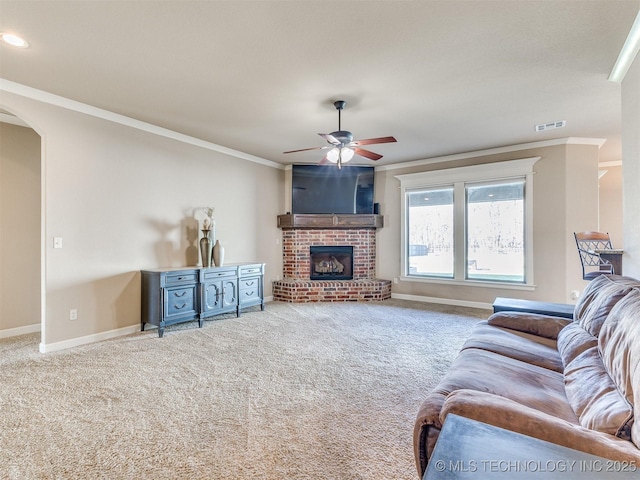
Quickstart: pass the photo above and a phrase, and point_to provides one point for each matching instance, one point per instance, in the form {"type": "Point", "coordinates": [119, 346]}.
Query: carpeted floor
{"type": "Point", "coordinates": [299, 391]}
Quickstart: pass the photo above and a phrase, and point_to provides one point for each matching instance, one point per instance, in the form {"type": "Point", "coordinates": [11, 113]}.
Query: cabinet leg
{"type": "Point", "coordinates": [262, 307]}
{"type": "Point", "coordinates": [200, 322]}
{"type": "Point", "coordinates": [160, 332]}
{"type": "Point", "coordinates": [142, 327]}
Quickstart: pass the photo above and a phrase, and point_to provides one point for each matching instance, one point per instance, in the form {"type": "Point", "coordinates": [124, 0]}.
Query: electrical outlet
{"type": "Point", "coordinates": [73, 314]}
{"type": "Point", "coordinates": [395, 280]}
{"type": "Point", "coordinates": [57, 242]}
{"type": "Point", "coordinates": [575, 294]}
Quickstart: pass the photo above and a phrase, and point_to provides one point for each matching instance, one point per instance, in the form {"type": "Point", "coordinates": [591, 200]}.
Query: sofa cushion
{"type": "Point", "coordinates": [620, 350]}
{"type": "Point", "coordinates": [595, 398]}
{"type": "Point", "coordinates": [515, 344]}
{"type": "Point", "coordinates": [534, 323]}
{"type": "Point", "coordinates": [572, 341]}
{"type": "Point", "coordinates": [530, 385]}
{"type": "Point", "coordinates": [598, 299]}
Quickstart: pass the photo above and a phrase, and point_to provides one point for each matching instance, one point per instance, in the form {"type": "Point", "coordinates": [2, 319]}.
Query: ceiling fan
{"type": "Point", "coordinates": [342, 147]}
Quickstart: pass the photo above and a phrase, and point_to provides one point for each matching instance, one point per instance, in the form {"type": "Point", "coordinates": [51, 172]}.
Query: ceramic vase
{"type": "Point", "coordinates": [218, 254]}
{"type": "Point", "coordinates": [206, 247]}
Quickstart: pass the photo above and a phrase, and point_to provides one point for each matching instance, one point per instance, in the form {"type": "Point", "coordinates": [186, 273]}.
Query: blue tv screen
{"type": "Point", "coordinates": [328, 189]}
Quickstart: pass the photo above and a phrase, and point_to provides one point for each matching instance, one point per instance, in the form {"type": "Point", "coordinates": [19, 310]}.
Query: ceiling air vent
{"type": "Point", "coordinates": [550, 126]}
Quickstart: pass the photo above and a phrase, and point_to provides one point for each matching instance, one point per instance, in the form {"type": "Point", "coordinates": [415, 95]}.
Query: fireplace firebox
{"type": "Point", "coordinates": [331, 262]}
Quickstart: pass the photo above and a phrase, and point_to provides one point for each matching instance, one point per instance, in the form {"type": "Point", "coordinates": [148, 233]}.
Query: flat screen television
{"type": "Point", "coordinates": [328, 189]}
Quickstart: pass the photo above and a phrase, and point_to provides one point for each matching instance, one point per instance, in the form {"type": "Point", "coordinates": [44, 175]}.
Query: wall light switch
{"type": "Point", "coordinates": [57, 242]}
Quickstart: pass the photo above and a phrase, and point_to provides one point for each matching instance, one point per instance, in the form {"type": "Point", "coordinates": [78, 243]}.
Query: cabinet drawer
{"type": "Point", "coordinates": [180, 301]}
{"type": "Point", "coordinates": [251, 293]}
{"type": "Point", "coordinates": [253, 282]}
{"type": "Point", "coordinates": [250, 270]}
{"type": "Point", "coordinates": [181, 278]}
{"type": "Point", "coordinates": [208, 275]}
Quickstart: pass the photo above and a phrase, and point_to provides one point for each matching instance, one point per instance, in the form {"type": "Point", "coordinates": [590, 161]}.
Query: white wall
{"type": "Point", "coordinates": [121, 199]}
{"type": "Point", "coordinates": [631, 169]}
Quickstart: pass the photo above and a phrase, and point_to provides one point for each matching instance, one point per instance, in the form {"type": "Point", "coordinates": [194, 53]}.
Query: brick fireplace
{"type": "Point", "coordinates": [301, 232]}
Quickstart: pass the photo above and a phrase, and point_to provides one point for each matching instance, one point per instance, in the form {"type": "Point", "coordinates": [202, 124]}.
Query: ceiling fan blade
{"type": "Point", "coordinates": [304, 150]}
{"type": "Point", "coordinates": [367, 154]}
{"type": "Point", "coordinates": [330, 138]}
{"type": "Point", "coordinates": [371, 141]}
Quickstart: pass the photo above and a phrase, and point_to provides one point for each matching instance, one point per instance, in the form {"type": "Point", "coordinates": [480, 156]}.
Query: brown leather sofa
{"type": "Point", "coordinates": [571, 382]}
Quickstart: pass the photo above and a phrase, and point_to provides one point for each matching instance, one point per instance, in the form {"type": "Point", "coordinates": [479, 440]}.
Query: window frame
{"type": "Point", "coordinates": [458, 177]}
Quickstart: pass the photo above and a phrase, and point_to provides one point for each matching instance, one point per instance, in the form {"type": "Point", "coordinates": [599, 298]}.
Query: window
{"type": "Point", "coordinates": [430, 232]}
{"type": "Point", "coordinates": [495, 231]}
{"type": "Point", "coordinates": [469, 224]}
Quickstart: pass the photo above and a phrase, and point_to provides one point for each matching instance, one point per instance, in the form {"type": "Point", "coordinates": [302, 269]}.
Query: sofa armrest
{"type": "Point", "coordinates": [427, 428]}
{"type": "Point", "coordinates": [534, 323]}
{"type": "Point", "coordinates": [505, 413]}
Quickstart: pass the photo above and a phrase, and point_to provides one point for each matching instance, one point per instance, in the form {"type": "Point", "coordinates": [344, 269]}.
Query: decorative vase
{"type": "Point", "coordinates": [206, 248]}
{"type": "Point", "coordinates": [218, 254]}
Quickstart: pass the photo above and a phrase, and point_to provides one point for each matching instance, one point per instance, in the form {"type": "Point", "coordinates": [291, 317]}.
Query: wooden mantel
{"type": "Point", "coordinates": [334, 221]}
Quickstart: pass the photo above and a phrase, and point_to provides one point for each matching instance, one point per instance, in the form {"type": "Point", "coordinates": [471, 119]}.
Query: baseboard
{"type": "Point", "coordinates": [14, 332]}
{"type": "Point", "coordinates": [444, 301]}
{"type": "Point", "coordinates": [97, 337]}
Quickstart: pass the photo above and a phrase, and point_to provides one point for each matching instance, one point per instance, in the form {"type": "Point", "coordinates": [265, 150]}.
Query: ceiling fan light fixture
{"type": "Point", "coordinates": [346, 154]}
{"type": "Point", "coordinates": [333, 154]}
{"type": "Point", "coordinates": [342, 147]}
{"type": "Point", "coordinates": [340, 154]}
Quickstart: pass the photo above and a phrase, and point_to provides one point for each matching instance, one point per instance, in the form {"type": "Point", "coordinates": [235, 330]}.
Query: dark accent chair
{"type": "Point", "coordinates": [592, 264]}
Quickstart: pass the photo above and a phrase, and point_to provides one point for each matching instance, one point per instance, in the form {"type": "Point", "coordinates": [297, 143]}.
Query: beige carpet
{"type": "Point", "coordinates": [299, 391]}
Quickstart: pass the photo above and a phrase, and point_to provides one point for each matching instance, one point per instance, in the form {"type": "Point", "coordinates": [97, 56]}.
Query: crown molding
{"type": "Point", "coordinates": [614, 163]}
{"type": "Point", "coordinates": [627, 54]}
{"type": "Point", "coordinates": [495, 151]}
{"type": "Point", "coordinates": [73, 105]}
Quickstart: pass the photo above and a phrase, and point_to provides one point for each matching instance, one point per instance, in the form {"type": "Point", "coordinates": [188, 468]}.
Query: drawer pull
{"type": "Point", "coordinates": [248, 294]}
{"type": "Point", "coordinates": [179, 307]}
{"type": "Point", "coordinates": [250, 284]}
{"type": "Point", "coordinates": [180, 294]}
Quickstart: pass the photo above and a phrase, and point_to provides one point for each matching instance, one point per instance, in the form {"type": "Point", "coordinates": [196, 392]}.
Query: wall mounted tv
{"type": "Point", "coordinates": [328, 189]}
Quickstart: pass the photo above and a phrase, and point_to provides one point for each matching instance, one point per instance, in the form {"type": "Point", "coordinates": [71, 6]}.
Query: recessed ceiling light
{"type": "Point", "coordinates": [14, 40]}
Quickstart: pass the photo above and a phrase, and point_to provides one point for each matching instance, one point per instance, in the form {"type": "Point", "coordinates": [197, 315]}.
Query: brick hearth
{"type": "Point", "coordinates": [297, 286]}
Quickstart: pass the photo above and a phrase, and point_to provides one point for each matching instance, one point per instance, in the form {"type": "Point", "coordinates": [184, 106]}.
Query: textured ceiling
{"type": "Point", "coordinates": [260, 77]}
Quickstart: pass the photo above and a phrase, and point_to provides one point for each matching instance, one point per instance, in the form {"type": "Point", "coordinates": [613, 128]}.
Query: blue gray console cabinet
{"type": "Point", "coordinates": [175, 295]}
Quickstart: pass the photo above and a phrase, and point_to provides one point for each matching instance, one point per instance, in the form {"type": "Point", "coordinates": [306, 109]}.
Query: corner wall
{"type": "Point", "coordinates": [610, 208]}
